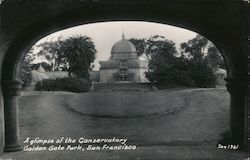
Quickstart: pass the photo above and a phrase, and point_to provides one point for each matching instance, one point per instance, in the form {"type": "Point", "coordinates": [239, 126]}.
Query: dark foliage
{"type": "Point", "coordinates": [202, 74]}
{"type": "Point", "coordinates": [26, 68]}
{"type": "Point", "coordinates": [140, 45]}
{"type": "Point", "coordinates": [73, 54]}
{"type": "Point", "coordinates": [201, 66]}
{"type": "Point", "coordinates": [191, 68]}
{"type": "Point", "coordinates": [46, 66]}
{"type": "Point", "coordinates": [214, 58]}
{"type": "Point", "coordinates": [79, 52]}
{"type": "Point", "coordinates": [26, 77]}
{"type": "Point", "coordinates": [69, 84]}
{"type": "Point", "coordinates": [165, 69]}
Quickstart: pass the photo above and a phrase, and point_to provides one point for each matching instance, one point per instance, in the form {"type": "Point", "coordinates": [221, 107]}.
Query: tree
{"type": "Point", "coordinates": [140, 45]}
{"type": "Point", "coordinates": [27, 67]}
{"type": "Point", "coordinates": [51, 51]}
{"type": "Point", "coordinates": [200, 69]}
{"type": "Point", "coordinates": [214, 58]}
{"type": "Point", "coordinates": [164, 67]}
{"type": "Point", "coordinates": [74, 54]}
{"type": "Point", "coordinates": [45, 65]}
{"type": "Point", "coordinates": [202, 73]}
{"type": "Point", "coordinates": [157, 43]}
{"type": "Point", "coordinates": [79, 52]}
{"type": "Point", "coordinates": [195, 48]}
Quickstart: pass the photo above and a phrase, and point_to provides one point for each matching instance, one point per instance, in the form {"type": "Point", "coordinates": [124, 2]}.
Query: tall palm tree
{"type": "Point", "coordinates": [79, 52]}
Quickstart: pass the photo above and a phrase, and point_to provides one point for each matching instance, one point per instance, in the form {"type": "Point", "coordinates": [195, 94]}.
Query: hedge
{"type": "Point", "coordinates": [68, 84]}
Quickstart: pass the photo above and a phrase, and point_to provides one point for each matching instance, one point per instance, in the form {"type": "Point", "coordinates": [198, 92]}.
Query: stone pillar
{"type": "Point", "coordinates": [236, 88]}
{"type": "Point", "coordinates": [11, 92]}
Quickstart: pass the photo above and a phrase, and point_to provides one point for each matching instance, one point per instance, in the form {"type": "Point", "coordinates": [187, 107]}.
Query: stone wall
{"type": "Point", "coordinates": [95, 76]}
{"type": "Point", "coordinates": [106, 76]}
{"type": "Point", "coordinates": [38, 76]}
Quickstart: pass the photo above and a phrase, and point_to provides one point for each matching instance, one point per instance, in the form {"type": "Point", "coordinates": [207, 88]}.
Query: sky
{"type": "Point", "coordinates": [105, 34]}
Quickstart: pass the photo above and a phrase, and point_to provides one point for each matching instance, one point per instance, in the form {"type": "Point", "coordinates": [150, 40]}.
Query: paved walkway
{"type": "Point", "coordinates": [189, 133]}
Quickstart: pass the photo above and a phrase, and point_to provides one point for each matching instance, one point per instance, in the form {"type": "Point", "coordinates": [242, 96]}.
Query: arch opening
{"type": "Point", "coordinates": [14, 74]}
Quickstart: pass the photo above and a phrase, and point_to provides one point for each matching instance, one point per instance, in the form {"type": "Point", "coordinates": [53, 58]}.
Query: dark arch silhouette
{"type": "Point", "coordinates": [212, 19]}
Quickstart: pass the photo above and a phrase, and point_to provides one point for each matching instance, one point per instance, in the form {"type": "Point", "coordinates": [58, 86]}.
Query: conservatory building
{"type": "Point", "coordinates": [123, 66]}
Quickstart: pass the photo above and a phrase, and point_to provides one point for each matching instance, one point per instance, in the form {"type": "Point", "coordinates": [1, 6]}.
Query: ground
{"type": "Point", "coordinates": [166, 124]}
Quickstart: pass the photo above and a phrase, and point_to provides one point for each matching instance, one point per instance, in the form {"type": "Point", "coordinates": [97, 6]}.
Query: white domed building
{"type": "Point", "coordinates": [123, 66]}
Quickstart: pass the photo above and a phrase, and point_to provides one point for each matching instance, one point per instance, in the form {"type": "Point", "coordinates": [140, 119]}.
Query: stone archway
{"type": "Point", "coordinates": [39, 22]}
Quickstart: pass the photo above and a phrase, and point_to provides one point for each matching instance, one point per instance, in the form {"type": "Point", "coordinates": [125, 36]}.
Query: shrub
{"type": "Point", "coordinates": [183, 78]}
{"type": "Point", "coordinates": [69, 84]}
{"type": "Point", "coordinates": [202, 74]}
{"type": "Point", "coordinates": [26, 78]}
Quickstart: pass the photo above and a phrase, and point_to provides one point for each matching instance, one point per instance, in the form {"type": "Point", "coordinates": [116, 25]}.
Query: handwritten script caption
{"type": "Point", "coordinates": [77, 144]}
